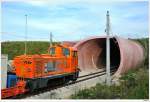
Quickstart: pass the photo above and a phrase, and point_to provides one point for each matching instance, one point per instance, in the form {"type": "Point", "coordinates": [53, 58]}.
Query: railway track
{"type": "Point", "coordinates": [92, 75]}
{"type": "Point", "coordinates": [80, 79]}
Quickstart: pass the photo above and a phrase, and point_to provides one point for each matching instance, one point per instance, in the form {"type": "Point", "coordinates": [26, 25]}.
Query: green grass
{"type": "Point", "coordinates": [145, 43]}
{"type": "Point", "coordinates": [15, 48]}
{"type": "Point", "coordinates": [134, 85]}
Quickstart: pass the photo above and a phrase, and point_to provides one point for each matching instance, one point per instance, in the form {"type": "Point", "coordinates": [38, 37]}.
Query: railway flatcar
{"type": "Point", "coordinates": [60, 65]}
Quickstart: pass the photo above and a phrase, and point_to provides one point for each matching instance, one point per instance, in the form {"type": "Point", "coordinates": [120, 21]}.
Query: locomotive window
{"type": "Point", "coordinates": [66, 52]}
{"type": "Point", "coordinates": [74, 54]}
{"type": "Point", "coordinates": [52, 51]}
{"type": "Point", "coordinates": [50, 66]}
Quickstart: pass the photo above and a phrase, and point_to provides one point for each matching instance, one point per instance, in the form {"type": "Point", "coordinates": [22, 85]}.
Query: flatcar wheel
{"type": "Point", "coordinates": [19, 96]}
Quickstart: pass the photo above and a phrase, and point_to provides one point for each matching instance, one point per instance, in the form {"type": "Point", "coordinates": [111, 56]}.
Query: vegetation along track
{"type": "Point", "coordinates": [80, 79]}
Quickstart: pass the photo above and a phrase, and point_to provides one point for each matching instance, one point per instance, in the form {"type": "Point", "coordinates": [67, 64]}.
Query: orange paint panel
{"type": "Point", "coordinates": [35, 66]}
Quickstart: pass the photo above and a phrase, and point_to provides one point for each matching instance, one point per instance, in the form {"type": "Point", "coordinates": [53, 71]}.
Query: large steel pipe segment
{"type": "Point", "coordinates": [132, 55]}
{"type": "Point", "coordinates": [124, 54]}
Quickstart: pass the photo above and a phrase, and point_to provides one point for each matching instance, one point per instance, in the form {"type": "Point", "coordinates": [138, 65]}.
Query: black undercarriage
{"type": "Point", "coordinates": [38, 83]}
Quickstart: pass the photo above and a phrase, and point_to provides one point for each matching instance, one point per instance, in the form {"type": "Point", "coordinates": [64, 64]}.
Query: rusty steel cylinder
{"type": "Point", "coordinates": [124, 54]}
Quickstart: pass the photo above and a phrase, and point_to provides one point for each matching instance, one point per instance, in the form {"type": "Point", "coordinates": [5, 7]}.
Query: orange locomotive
{"type": "Point", "coordinates": [38, 71]}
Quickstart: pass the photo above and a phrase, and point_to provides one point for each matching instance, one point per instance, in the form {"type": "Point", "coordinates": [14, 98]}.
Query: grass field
{"type": "Point", "coordinates": [134, 85]}
{"type": "Point", "coordinates": [16, 48]}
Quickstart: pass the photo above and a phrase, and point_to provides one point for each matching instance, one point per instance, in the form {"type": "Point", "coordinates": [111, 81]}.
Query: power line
{"type": "Point", "coordinates": [15, 34]}
{"type": "Point", "coordinates": [20, 36]}
{"type": "Point", "coordinates": [37, 36]}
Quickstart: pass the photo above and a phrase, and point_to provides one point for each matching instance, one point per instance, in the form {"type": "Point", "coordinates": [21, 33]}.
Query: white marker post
{"type": "Point", "coordinates": [108, 79]}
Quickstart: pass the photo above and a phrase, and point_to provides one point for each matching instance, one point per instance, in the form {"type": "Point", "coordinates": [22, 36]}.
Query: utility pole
{"type": "Point", "coordinates": [108, 79]}
{"type": "Point", "coordinates": [51, 39]}
{"type": "Point", "coordinates": [26, 35]}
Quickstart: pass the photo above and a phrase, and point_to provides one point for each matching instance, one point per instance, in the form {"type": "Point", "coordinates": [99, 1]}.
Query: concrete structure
{"type": "Point", "coordinates": [4, 61]}
{"type": "Point", "coordinates": [9, 66]}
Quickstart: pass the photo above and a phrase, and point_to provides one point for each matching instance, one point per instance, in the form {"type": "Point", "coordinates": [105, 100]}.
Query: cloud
{"type": "Point", "coordinates": [75, 19]}
{"type": "Point", "coordinates": [66, 2]}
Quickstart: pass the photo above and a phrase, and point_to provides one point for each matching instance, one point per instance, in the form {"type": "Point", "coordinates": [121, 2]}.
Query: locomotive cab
{"type": "Point", "coordinates": [61, 50]}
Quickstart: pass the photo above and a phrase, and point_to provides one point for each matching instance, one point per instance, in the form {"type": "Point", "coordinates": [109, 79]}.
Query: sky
{"type": "Point", "coordinates": [71, 20]}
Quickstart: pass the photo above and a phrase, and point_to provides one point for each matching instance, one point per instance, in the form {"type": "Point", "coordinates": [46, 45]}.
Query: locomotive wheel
{"type": "Point", "coordinates": [66, 79]}
{"type": "Point", "coordinates": [30, 86]}
{"type": "Point", "coordinates": [75, 76]}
